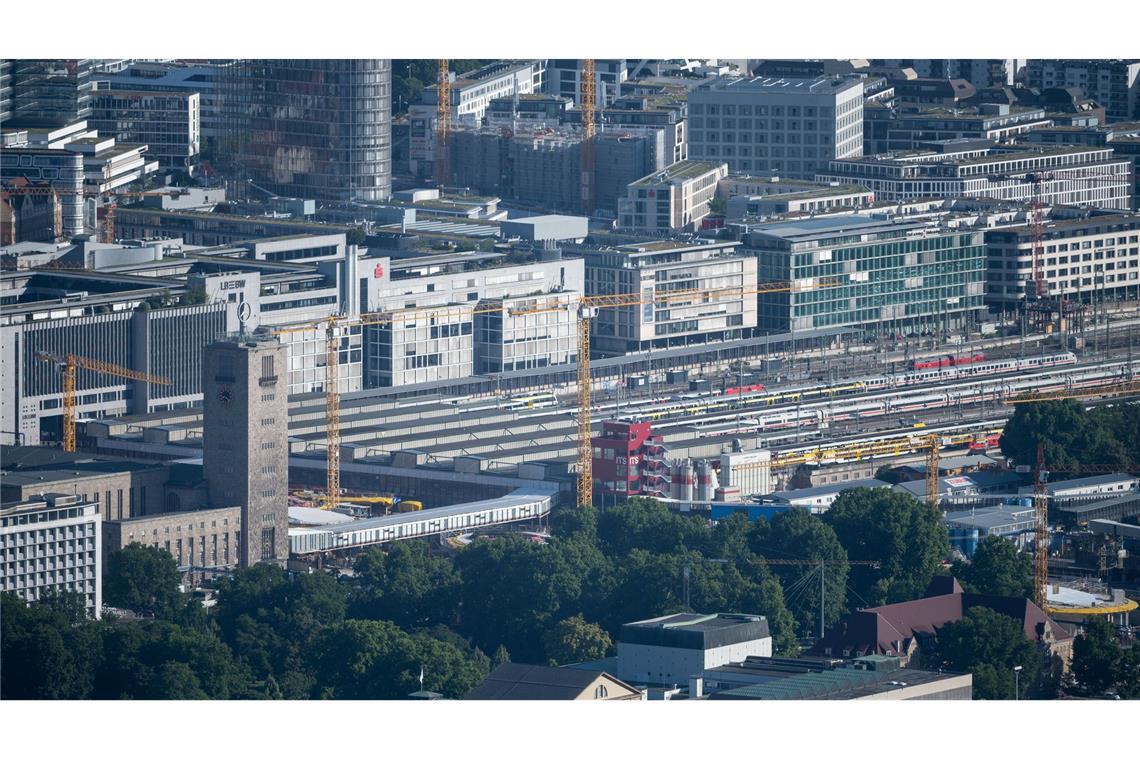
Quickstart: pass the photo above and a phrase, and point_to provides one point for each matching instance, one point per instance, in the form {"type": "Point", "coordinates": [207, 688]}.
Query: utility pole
{"type": "Point", "coordinates": [822, 591]}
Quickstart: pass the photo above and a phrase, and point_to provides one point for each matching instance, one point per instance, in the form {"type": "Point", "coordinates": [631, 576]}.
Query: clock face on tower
{"type": "Point", "coordinates": [225, 395]}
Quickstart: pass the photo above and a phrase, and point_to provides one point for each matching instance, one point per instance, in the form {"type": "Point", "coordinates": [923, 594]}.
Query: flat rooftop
{"type": "Point", "coordinates": [830, 225]}
{"type": "Point", "coordinates": [835, 683]}
{"type": "Point", "coordinates": [689, 630]}
{"type": "Point", "coordinates": [680, 171]}
{"type": "Point", "coordinates": [785, 85]}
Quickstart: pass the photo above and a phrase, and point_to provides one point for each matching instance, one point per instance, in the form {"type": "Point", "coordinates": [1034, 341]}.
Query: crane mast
{"type": "Point", "coordinates": [587, 84]}
{"type": "Point", "coordinates": [71, 364]}
{"type": "Point", "coordinates": [442, 122]}
{"type": "Point", "coordinates": [332, 413]}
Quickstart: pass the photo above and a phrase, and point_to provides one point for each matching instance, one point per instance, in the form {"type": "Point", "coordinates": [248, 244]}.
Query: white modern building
{"type": "Point", "coordinates": [816, 200]}
{"type": "Point", "coordinates": [108, 165]}
{"type": "Point", "coordinates": [1068, 175]}
{"type": "Point", "coordinates": [152, 305]}
{"type": "Point", "coordinates": [748, 471]}
{"type": "Point", "coordinates": [52, 544]}
{"type": "Point", "coordinates": [792, 127]}
{"type": "Point", "coordinates": [451, 315]}
{"type": "Point", "coordinates": [673, 279]}
{"type": "Point", "coordinates": [674, 199]}
{"type": "Point", "coordinates": [670, 649]}
{"type": "Point", "coordinates": [1084, 259]}
{"type": "Point", "coordinates": [1096, 485]}
{"type": "Point", "coordinates": [564, 78]}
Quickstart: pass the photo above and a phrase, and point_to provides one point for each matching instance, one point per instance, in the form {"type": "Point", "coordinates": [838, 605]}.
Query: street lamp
{"type": "Point", "coordinates": [1016, 682]}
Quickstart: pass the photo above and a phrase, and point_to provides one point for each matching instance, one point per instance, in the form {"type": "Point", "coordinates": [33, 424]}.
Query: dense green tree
{"type": "Point", "coordinates": [989, 645]}
{"type": "Point", "coordinates": [137, 655]}
{"type": "Point", "coordinates": [448, 669]}
{"type": "Point", "coordinates": [512, 591]}
{"type": "Point", "coordinates": [574, 640]}
{"type": "Point", "coordinates": [997, 568]}
{"type": "Point", "coordinates": [366, 659]}
{"type": "Point", "coordinates": [1128, 673]}
{"type": "Point", "coordinates": [797, 534]}
{"type": "Point", "coordinates": [904, 535]}
{"type": "Point", "coordinates": [143, 579]}
{"type": "Point", "coordinates": [174, 680]}
{"type": "Point", "coordinates": [729, 537]}
{"type": "Point", "coordinates": [574, 523]}
{"type": "Point", "coordinates": [1096, 656]}
{"type": "Point", "coordinates": [406, 585]}
{"type": "Point", "coordinates": [650, 585]}
{"type": "Point", "coordinates": [648, 524]}
{"type": "Point", "coordinates": [45, 652]}
{"type": "Point", "coordinates": [272, 621]}
{"type": "Point", "coordinates": [1070, 436]}
{"type": "Point", "coordinates": [375, 659]}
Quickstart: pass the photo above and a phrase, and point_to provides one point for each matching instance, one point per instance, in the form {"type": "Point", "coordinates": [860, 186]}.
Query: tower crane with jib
{"type": "Point", "coordinates": [1037, 298]}
{"type": "Point", "coordinates": [587, 307]}
{"type": "Point", "coordinates": [1041, 516]}
{"type": "Point", "coordinates": [71, 364]}
{"type": "Point", "coordinates": [821, 565]}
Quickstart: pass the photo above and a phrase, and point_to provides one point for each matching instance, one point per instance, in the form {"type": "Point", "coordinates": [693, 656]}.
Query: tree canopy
{"type": "Point", "coordinates": [1072, 436]}
{"type": "Point", "coordinates": [143, 579]}
{"type": "Point", "coordinates": [798, 534]}
{"type": "Point", "coordinates": [904, 535]}
{"type": "Point", "coordinates": [989, 645]}
{"type": "Point", "coordinates": [1097, 657]}
{"type": "Point", "coordinates": [574, 640]}
{"type": "Point", "coordinates": [997, 568]}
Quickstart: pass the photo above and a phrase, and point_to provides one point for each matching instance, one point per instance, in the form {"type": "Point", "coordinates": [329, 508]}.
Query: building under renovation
{"type": "Point", "coordinates": [542, 166]}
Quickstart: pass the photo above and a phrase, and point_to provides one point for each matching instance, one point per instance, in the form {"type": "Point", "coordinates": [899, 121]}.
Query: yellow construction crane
{"type": "Point", "coordinates": [71, 363]}
{"type": "Point", "coordinates": [1097, 391]}
{"type": "Point", "coordinates": [932, 458]}
{"type": "Point", "coordinates": [588, 106]}
{"type": "Point", "coordinates": [332, 411]}
{"type": "Point", "coordinates": [587, 306]}
{"type": "Point", "coordinates": [442, 122]}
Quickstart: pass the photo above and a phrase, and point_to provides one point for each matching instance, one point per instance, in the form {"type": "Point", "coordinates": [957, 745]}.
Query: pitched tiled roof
{"type": "Point", "coordinates": [889, 629]}
{"type": "Point", "coordinates": [518, 681]}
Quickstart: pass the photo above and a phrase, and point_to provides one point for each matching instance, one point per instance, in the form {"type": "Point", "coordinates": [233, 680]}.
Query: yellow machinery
{"type": "Point", "coordinates": [587, 307]}
{"type": "Point", "coordinates": [71, 363]}
{"type": "Point", "coordinates": [384, 502]}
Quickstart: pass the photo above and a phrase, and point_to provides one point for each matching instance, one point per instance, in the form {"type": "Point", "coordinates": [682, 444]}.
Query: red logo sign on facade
{"type": "Point", "coordinates": [378, 272]}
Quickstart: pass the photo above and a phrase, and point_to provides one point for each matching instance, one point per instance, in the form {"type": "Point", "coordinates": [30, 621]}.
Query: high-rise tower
{"type": "Point", "coordinates": [245, 452]}
{"type": "Point", "coordinates": [310, 128]}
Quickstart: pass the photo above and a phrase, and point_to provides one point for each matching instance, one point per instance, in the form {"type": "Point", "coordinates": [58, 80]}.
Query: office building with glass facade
{"type": "Point", "coordinates": [44, 92]}
{"type": "Point", "coordinates": [883, 275]}
{"type": "Point", "coordinates": [311, 128]}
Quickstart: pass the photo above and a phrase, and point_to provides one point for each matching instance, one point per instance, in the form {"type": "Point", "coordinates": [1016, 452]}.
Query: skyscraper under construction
{"type": "Point", "coordinates": [310, 128]}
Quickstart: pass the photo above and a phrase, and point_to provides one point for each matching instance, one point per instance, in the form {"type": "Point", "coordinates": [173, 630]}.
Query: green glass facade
{"type": "Point", "coordinates": [886, 280]}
